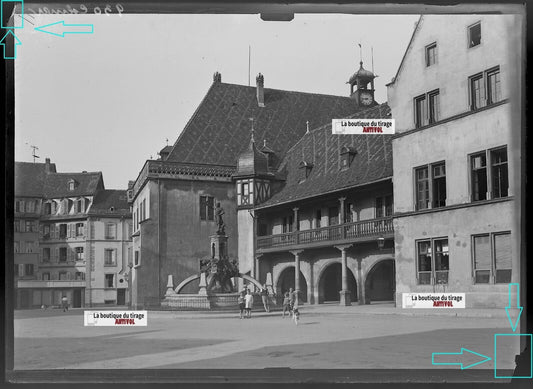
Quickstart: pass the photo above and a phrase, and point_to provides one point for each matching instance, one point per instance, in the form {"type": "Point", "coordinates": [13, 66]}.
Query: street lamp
{"type": "Point", "coordinates": [381, 242]}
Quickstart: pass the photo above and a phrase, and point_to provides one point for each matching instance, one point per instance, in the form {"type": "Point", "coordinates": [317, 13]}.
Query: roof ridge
{"type": "Point", "coordinates": [290, 91]}
{"type": "Point", "coordinates": [86, 173]}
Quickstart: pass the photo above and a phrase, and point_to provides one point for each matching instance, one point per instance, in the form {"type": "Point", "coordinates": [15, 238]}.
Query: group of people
{"type": "Point", "coordinates": [290, 303]}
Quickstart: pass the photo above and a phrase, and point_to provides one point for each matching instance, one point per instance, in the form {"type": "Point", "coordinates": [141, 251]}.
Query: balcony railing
{"type": "Point", "coordinates": [372, 228]}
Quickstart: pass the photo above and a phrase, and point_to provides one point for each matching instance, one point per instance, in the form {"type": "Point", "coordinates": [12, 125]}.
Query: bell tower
{"type": "Point", "coordinates": [360, 90]}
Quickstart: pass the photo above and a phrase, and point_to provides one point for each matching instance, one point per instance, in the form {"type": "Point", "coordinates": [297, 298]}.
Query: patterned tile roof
{"type": "Point", "coordinates": [57, 184]}
{"type": "Point", "coordinates": [220, 128]}
{"type": "Point", "coordinates": [110, 202]}
{"type": "Point", "coordinates": [321, 149]}
{"type": "Point", "coordinates": [30, 178]}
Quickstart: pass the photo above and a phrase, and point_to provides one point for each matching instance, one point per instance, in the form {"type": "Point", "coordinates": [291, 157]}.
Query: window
{"type": "Point", "coordinates": [79, 229]}
{"type": "Point", "coordinates": [46, 231]}
{"type": "Point", "coordinates": [207, 208]}
{"type": "Point", "coordinates": [45, 276]}
{"type": "Point", "coordinates": [245, 190]}
{"type": "Point", "coordinates": [318, 218]}
{"type": "Point", "coordinates": [431, 54]}
{"type": "Point", "coordinates": [62, 231]}
{"type": "Point", "coordinates": [47, 208]}
{"type": "Point", "coordinates": [432, 261]}
{"type": "Point", "coordinates": [46, 254]}
{"type": "Point", "coordinates": [71, 185]}
{"type": "Point", "coordinates": [30, 206]}
{"type": "Point", "coordinates": [79, 206]}
{"type": "Point", "coordinates": [379, 207]}
{"type": "Point", "coordinates": [433, 101]}
{"type": "Point", "coordinates": [18, 207]}
{"type": "Point", "coordinates": [288, 224]}
{"type": "Point", "coordinates": [63, 276]}
{"type": "Point", "coordinates": [492, 260]}
{"type": "Point", "coordinates": [110, 231]}
{"type": "Point", "coordinates": [28, 269]}
{"type": "Point", "coordinates": [79, 254]}
{"type": "Point", "coordinates": [305, 170]}
{"type": "Point", "coordinates": [16, 246]}
{"type": "Point", "coordinates": [109, 257]}
{"type": "Point", "coordinates": [489, 186]}
{"type": "Point", "coordinates": [29, 246]}
{"type": "Point", "coordinates": [347, 156]}
{"type": "Point", "coordinates": [430, 184]}
{"type": "Point", "coordinates": [109, 281]}
{"type": "Point", "coordinates": [62, 254]}
{"type": "Point", "coordinates": [474, 35]}
{"type": "Point", "coordinates": [426, 108]}
{"type": "Point", "coordinates": [485, 88]}
{"type": "Point", "coordinates": [493, 86]}
{"type": "Point", "coordinates": [79, 276]}
{"type": "Point", "coordinates": [136, 258]}
{"type": "Point", "coordinates": [333, 216]}
{"type": "Point", "coordinates": [16, 225]}
{"type": "Point", "coordinates": [29, 226]}
{"type": "Point", "coordinates": [420, 111]}
{"type": "Point", "coordinates": [143, 210]}
{"type": "Point", "coordinates": [262, 229]}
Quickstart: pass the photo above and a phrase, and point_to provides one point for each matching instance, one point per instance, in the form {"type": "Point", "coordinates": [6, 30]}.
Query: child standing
{"type": "Point", "coordinates": [240, 300]}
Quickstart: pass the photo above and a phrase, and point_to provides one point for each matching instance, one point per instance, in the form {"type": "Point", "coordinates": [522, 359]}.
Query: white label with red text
{"type": "Point", "coordinates": [433, 300]}
{"type": "Point", "coordinates": [116, 318]}
{"type": "Point", "coordinates": [362, 126]}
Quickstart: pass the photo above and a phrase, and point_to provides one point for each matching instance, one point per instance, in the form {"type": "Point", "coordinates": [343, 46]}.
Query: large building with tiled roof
{"type": "Point", "coordinates": [326, 230]}
{"type": "Point", "coordinates": [173, 198]}
{"type": "Point", "coordinates": [57, 216]}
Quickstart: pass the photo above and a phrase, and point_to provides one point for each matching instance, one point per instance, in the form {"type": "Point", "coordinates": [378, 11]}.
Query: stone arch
{"type": "Point", "coordinates": [285, 280]}
{"type": "Point", "coordinates": [380, 281]}
{"type": "Point", "coordinates": [197, 276]}
{"type": "Point", "coordinates": [329, 282]}
{"type": "Point", "coordinates": [186, 281]}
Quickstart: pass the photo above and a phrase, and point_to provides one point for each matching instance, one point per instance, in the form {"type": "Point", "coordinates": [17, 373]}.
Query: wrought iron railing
{"type": "Point", "coordinates": [366, 228]}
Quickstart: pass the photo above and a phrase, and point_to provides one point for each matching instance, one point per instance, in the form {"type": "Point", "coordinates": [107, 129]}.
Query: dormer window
{"type": "Point", "coordinates": [305, 170]}
{"type": "Point", "coordinates": [347, 157]}
{"type": "Point", "coordinates": [72, 184]}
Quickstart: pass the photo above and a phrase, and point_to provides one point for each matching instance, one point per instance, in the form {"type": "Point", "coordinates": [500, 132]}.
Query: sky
{"type": "Point", "coordinates": [108, 101]}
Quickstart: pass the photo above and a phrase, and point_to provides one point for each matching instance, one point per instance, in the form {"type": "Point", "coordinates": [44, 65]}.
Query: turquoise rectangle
{"type": "Point", "coordinates": [496, 361]}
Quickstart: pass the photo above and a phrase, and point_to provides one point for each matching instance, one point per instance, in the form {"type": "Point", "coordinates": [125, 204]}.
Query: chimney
{"type": "Point", "coordinates": [217, 77]}
{"type": "Point", "coordinates": [260, 81]}
{"type": "Point", "coordinates": [47, 165]}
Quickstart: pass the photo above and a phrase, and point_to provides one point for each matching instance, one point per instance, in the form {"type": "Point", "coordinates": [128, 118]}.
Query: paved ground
{"type": "Point", "coordinates": [328, 337]}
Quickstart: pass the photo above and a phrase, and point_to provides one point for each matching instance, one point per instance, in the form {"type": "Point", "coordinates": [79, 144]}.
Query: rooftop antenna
{"type": "Point", "coordinates": [372, 54]}
{"type": "Point", "coordinates": [33, 153]}
{"type": "Point", "coordinates": [252, 120]}
{"type": "Point", "coordinates": [249, 61]}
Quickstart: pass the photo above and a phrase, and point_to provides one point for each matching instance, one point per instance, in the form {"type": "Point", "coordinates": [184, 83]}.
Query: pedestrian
{"type": "Point", "coordinates": [248, 303]}
{"type": "Point", "coordinates": [292, 299]}
{"type": "Point", "coordinates": [240, 300]}
{"type": "Point", "coordinates": [264, 298]}
{"type": "Point", "coordinates": [286, 302]}
{"type": "Point", "coordinates": [64, 303]}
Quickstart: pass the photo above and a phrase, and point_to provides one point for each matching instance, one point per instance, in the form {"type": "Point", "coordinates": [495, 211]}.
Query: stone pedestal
{"type": "Point", "coordinates": [219, 246]}
{"type": "Point", "coordinates": [345, 298]}
{"type": "Point", "coordinates": [203, 285]}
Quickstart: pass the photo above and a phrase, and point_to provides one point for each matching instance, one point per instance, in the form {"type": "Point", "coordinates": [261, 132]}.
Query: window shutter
{"type": "Point", "coordinates": [41, 231]}
{"type": "Point", "coordinates": [56, 254]}
{"type": "Point", "coordinates": [22, 206]}
{"type": "Point", "coordinates": [482, 90]}
{"type": "Point", "coordinates": [40, 255]}
{"type": "Point", "coordinates": [84, 230]}
{"type": "Point", "coordinates": [21, 270]}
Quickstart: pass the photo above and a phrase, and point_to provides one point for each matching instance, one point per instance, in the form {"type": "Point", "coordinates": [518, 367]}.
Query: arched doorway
{"type": "Point", "coordinates": [380, 284]}
{"type": "Point", "coordinates": [286, 281]}
{"type": "Point", "coordinates": [330, 284]}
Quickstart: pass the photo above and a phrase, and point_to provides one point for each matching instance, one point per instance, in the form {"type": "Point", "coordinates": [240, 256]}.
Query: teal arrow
{"type": "Point", "coordinates": [15, 40]}
{"type": "Point", "coordinates": [60, 29]}
{"type": "Point", "coordinates": [514, 311]}
{"type": "Point", "coordinates": [461, 354]}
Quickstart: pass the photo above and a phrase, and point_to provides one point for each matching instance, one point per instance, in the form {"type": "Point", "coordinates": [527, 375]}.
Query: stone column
{"type": "Point", "coordinates": [345, 298]}
{"type": "Point", "coordinates": [360, 286]}
{"type": "Point", "coordinates": [342, 218]}
{"type": "Point", "coordinates": [296, 254]}
{"type": "Point", "coordinates": [295, 225]}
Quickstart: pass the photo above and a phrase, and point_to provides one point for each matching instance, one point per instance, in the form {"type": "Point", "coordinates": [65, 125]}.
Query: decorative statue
{"type": "Point", "coordinates": [220, 223]}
